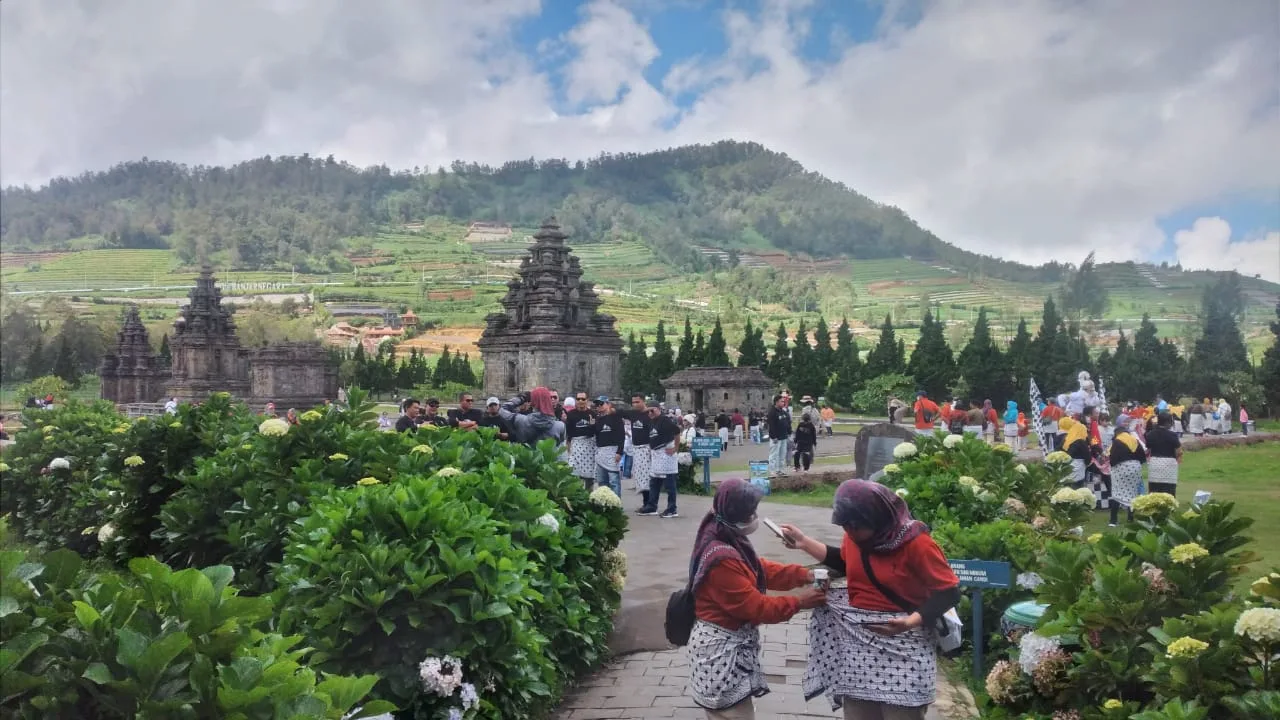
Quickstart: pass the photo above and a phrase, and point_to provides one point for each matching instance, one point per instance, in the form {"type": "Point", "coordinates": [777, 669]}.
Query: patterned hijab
{"type": "Point", "coordinates": [868, 505]}
{"type": "Point", "coordinates": [736, 501]}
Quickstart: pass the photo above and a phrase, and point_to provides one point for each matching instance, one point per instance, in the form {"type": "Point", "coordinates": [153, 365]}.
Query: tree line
{"type": "Point", "coordinates": [383, 373]}
{"type": "Point", "coordinates": [808, 363]}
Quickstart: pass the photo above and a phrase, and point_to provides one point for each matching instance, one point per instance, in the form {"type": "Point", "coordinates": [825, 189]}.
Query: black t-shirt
{"type": "Point", "coordinates": [723, 421]}
{"type": "Point", "coordinates": [577, 423]}
{"type": "Point", "coordinates": [475, 414]}
{"type": "Point", "coordinates": [1163, 443]}
{"type": "Point", "coordinates": [437, 420]}
{"type": "Point", "coordinates": [609, 431]}
{"type": "Point", "coordinates": [493, 421]}
{"type": "Point", "coordinates": [640, 427]}
{"type": "Point", "coordinates": [405, 423]}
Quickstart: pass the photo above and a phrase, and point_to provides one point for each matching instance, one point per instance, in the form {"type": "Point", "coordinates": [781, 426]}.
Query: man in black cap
{"type": "Point", "coordinates": [664, 471]}
{"type": "Point", "coordinates": [433, 416]}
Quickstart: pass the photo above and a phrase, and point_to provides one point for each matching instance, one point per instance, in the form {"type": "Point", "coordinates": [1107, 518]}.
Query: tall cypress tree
{"type": "Point", "coordinates": [823, 354]}
{"type": "Point", "coordinates": [1269, 371]}
{"type": "Point", "coordinates": [662, 363]}
{"type": "Point", "coordinates": [984, 368]}
{"type": "Point", "coordinates": [780, 362]}
{"type": "Point", "coordinates": [847, 378]}
{"type": "Point", "coordinates": [717, 353]}
{"type": "Point", "coordinates": [444, 369]}
{"type": "Point", "coordinates": [165, 352]}
{"type": "Point", "coordinates": [685, 358]}
{"type": "Point", "coordinates": [748, 354]}
{"type": "Point", "coordinates": [1019, 359]}
{"type": "Point", "coordinates": [932, 363]}
{"type": "Point", "coordinates": [699, 349]}
{"type": "Point", "coordinates": [1052, 357]}
{"type": "Point", "coordinates": [1220, 349]}
{"type": "Point", "coordinates": [887, 356]}
{"type": "Point", "coordinates": [806, 377]}
{"type": "Point", "coordinates": [64, 364]}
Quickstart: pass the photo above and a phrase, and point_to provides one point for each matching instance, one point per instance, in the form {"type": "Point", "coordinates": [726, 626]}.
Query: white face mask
{"type": "Point", "coordinates": [748, 528]}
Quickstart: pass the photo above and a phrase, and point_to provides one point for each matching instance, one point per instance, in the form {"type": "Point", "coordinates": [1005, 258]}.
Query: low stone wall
{"type": "Point", "coordinates": [800, 482]}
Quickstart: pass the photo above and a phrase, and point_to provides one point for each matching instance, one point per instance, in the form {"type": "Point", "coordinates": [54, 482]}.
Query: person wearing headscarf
{"type": "Point", "coordinates": [539, 424]}
{"type": "Point", "coordinates": [989, 421]}
{"type": "Point", "coordinates": [872, 647]}
{"type": "Point", "coordinates": [1011, 424]}
{"type": "Point", "coordinates": [1195, 419]}
{"type": "Point", "coordinates": [1164, 449]}
{"type": "Point", "coordinates": [1224, 416]}
{"type": "Point", "coordinates": [728, 580]}
{"type": "Point", "coordinates": [1127, 458]}
{"type": "Point", "coordinates": [1075, 443]}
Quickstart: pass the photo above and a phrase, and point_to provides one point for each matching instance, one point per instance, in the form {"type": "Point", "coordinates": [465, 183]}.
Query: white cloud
{"type": "Point", "coordinates": [1032, 129]}
{"type": "Point", "coordinates": [1207, 245]}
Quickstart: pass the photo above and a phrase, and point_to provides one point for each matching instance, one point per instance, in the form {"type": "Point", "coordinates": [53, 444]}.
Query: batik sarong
{"type": "Point", "coordinates": [1126, 482]}
{"type": "Point", "coordinates": [724, 665]}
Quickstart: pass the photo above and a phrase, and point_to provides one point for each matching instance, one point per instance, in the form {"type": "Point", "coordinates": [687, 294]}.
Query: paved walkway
{"type": "Point", "coordinates": [648, 679]}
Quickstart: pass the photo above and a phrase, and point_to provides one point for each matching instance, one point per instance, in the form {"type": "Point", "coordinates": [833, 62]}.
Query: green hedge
{"type": "Point", "coordinates": [380, 550]}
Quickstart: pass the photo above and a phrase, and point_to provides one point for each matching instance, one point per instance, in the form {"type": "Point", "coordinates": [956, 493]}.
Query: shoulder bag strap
{"type": "Point", "coordinates": [892, 596]}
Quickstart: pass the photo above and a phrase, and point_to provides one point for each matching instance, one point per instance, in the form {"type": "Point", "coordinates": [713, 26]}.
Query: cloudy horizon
{"type": "Point", "coordinates": [1032, 130]}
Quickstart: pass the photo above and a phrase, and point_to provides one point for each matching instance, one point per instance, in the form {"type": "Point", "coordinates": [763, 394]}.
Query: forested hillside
{"type": "Point", "coordinates": [296, 210]}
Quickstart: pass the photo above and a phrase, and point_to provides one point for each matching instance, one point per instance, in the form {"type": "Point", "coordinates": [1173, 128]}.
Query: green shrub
{"type": "Point", "coordinates": [151, 643]}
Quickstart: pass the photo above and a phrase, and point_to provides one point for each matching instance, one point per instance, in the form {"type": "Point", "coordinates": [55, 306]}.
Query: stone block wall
{"type": "Point", "coordinates": [563, 368]}
{"type": "Point", "coordinates": [715, 399]}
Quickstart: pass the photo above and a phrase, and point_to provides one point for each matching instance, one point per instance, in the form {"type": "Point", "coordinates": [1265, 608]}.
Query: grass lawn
{"type": "Point", "coordinates": [1247, 476]}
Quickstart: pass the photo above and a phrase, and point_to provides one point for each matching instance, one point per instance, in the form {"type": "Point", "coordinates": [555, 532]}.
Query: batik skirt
{"type": "Point", "coordinates": [1162, 471]}
{"type": "Point", "coordinates": [847, 661]}
{"type": "Point", "coordinates": [582, 457]}
{"type": "Point", "coordinates": [725, 665]}
{"type": "Point", "coordinates": [1077, 472]}
{"type": "Point", "coordinates": [640, 470]}
{"type": "Point", "coordinates": [1011, 430]}
{"type": "Point", "coordinates": [1126, 482]}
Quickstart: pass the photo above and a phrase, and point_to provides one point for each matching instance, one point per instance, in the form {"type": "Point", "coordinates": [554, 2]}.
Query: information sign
{"type": "Point", "coordinates": [706, 447]}
{"type": "Point", "coordinates": [982, 573]}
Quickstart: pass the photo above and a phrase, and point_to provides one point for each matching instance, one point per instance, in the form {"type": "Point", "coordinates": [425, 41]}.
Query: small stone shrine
{"type": "Point", "coordinates": [550, 331]}
{"type": "Point", "coordinates": [712, 389]}
{"type": "Point", "coordinates": [207, 357]}
{"type": "Point", "coordinates": [874, 447]}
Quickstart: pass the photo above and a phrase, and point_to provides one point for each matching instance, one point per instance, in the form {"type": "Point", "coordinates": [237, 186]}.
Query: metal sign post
{"type": "Point", "coordinates": [980, 574]}
{"type": "Point", "coordinates": [705, 449]}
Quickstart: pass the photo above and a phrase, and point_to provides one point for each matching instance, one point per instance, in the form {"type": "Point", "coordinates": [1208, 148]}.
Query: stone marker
{"type": "Point", "coordinates": [874, 448]}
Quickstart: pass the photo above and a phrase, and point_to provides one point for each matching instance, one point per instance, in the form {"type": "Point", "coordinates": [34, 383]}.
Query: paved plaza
{"type": "Point", "coordinates": [649, 679]}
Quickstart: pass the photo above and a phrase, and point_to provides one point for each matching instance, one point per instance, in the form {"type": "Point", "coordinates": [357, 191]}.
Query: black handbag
{"type": "Point", "coordinates": [680, 616]}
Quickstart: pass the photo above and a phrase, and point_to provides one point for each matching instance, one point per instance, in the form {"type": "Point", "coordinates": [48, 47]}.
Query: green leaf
{"type": "Point", "coordinates": [61, 567]}
{"type": "Point", "coordinates": [86, 614]}
{"type": "Point", "coordinates": [26, 572]}
{"type": "Point", "coordinates": [345, 692]}
{"type": "Point", "coordinates": [130, 646]}
{"type": "Point", "coordinates": [220, 575]}
{"type": "Point", "coordinates": [98, 673]}
{"type": "Point", "coordinates": [16, 649]}
{"type": "Point", "coordinates": [8, 605]}
{"type": "Point", "coordinates": [159, 654]}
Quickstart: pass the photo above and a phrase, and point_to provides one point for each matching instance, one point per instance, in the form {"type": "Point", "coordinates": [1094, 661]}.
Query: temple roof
{"type": "Point", "coordinates": [204, 313]}
{"type": "Point", "coordinates": [701, 377]}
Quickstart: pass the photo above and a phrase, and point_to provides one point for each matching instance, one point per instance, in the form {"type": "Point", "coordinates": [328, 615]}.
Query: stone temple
{"type": "Point", "coordinates": [208, 358]}
{"type": "Point", "coordinates": [550, 331]}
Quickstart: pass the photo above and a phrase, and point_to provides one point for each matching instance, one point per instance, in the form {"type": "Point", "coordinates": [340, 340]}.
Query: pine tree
{"type": "Point", "coordinates": [64, 364]}
{"type": "Point", "coordinates": [444, 369]}
{"type": "Point", "coordinates": [686, 356]}
{"type": "Point", "coordinates": [1120, 376]}
{"type": "Point", "coordinates": [360, 362]}
{"type": "Point", "coordinates": [887, 357]}
{"type": "Point", "coordinates": [847, 378]}
{"type": "Point", "coordinates": [699, 349]}
{"type": "Point", "coordinates": [462, 372]}
{"type": "Point", "coordinates": [643, 377]}
{"type": "Point", "coordinates": [984, 368]}
{"type": "Point", "coordinates": [1084, 293]}
{"type": "Point", "coordinates": [716, 353]}
{"type": "Point", "coordinates": [748, 354]}
{"type": "Point", "coordinates": [932, 364]}
{"type": "Point", "coordinates": [1019, 358]}
{"type": "Point", "coordinates": [780, 362]}
{"type": "Point", "coordinates": [632, 371]}
{"type": "Point", "coordinates": [1051, 360]}
{"type": "Point", "coordinates": [1269, 371]}
{"type": "Point", "coordinates": [388, 371]}
{"type": "Point", "coordinates": [807, 378]}
{"type": "Point", "coordinates": [1220, 349]}
{"type": "Point", "coordinates": [823, 354]}
{"type": "Point", "coordinates": [165, 352]}
{"type": "Point", "coordinates": [37, 364]}
{"type": "Point", "coordinates": [663, 362]}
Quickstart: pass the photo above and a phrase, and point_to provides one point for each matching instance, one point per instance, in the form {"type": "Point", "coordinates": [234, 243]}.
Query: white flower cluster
{"type": "Point", "coordinates": [549, 521]}
{"type": "Point", "coordinates": [968, 482]}
{"type": "Point", "coordinates": [59, 463]}
{"type": "Point", "coordinates": [605, 497]}
{"type": "Point", "coordinates": [106, 533]}
{"type": "Point", "coordinates": [1029, 580]}
{"type": "Point", "coordinates": [1057, 457]}
{"type": "Point", "coordinates": [443, 676]}
{"type": "Point", "coordinates": [449, 471]}
{"type": "Point", "coordinates": [1260, 624]}
{"type": "Point", "coordinates": [1022, 469]}
{"type": "Point", "coordinates": [905, 450]}
{"type": "Point", "coordinates": [951, 441]}
{"type": "Point", "coordinates": [901, 492]}
{"type": "Point", "coordinates": [892, 468]}
{"type": "Point", "coordinates": [1074, 496]}
{"type": "Point", "coordinates": [274, 427]}
{"type": "Point", "coordinates": [1032, 649]}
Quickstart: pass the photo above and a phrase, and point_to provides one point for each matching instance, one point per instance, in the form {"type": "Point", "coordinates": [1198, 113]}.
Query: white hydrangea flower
{"type": "Point", "coordinates": [549, 521]}
{"type": "Point", "coordinates": [1022, 469]}
{"type": "Point", "coordinates": [1073, 496]}
{"type": "Point", "coordinates": [134, 461]}
{"type": "Point", "coordinates": [1029, 580]}
{"type": "Point", "coordinates": [1032, 649]}
{"type": "Point", "coordinates": [448, 471]}
{"type": "Point", "coordinates": [951, 441]}
{"type": "Point", "coordinates": [469, 696]}
{"type": "Point", "coordinates": [968, 482]}
{"type": "Point", "coordinates": [59, 463]}
{"type": "Point", "coordinates": [441, 676]}
{"type": "Point", "coordinates": [605, 497]}
{"type": "Point", "coordinates": [274, 427]}
{"type": "Point", "coordinates": [107, 533]}
{"type": "Point", "coordinates": [905, 450]}
{"type": "Point", "coordinates": [901, 492]}
{"type": "Point", "coordinates": [1260, 624]}
{"type": "Point", "coordinates": [891, 468]}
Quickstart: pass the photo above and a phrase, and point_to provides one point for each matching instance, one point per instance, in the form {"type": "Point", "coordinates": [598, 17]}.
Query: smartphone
{"type": "Point", "coordinates": [774, 528]}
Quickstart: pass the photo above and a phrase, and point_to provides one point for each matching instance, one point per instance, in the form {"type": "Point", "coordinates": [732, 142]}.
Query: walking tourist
{"type": "Point", "coordinates": [739, 426]}
{"type": "Point", "coordinates": [540, 424]}
{"type": "Point", "coordinates": [828, 419]}
{"type": "Point", "coordinates": [466, 416]}
{"type": "Point", "coordinates": [754, 420]}
{"type": "Point", "coordinates": [493, 418]}
{"type": "Point", "coordinates": [927, 412]}
{"type": "Point", "coordinates": [1195, 419]}
{"type": "Point", "coordinates": [580, 434]}
{"type": "Point", "coordinates": [610, 437]}
{"type": "Point", "coordinates": [291, 416]}
{"type": "Point", "coordinates": [778, 425]}
{"type": "Point", "coordinates": [1165, 453]}
{"type": "Point", "coordinates": [639, 430]}
{"type": "Point", "coordinates": [664, 470]}
{"type": "Point", "coordinates": [728, 580]}
{"type": "Point", "coordinates": [806, 439]}
{"type": "Point", "coordinates": [1076, 444]}
{"type": "Point", "coordinates": [170, 407]}
{"type": "Point", "coordinates": [723, 423]}
{"type": "Point", "coordinates": [894, 405]}
{"type": "Point", "coordinates": [269, 411]}
{"type": "Point", "coordinates": [958, 418]}
{"type": "Point", "coordinates": [1011, 424]}
{"type": "Point", "coordinates": [1049, 418]}
{"type": "Point", "coordinates": [408, 419]}
{"type": "Point", "coordinates": [873, 651]}
{"type": "Point", "coordinates": [1224, 416]}
{"type": "Point", "coordinates": [1127, 459]}
{"type": "Point", "coordinates": [989, 421]}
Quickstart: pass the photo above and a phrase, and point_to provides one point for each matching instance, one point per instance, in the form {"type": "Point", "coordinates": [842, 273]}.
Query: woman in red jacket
{"type": "Point", "coordinates": [729, 582]}
{"type": "Point", "coordinates": [876, 656]}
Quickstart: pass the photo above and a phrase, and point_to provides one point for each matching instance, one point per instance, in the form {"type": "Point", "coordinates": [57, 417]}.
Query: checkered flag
{"type": "Point", "coordinates": [1046, 442]}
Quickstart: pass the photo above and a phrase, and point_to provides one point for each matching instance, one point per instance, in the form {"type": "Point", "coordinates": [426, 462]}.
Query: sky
{"type": "Point", "coordinates": [1027, 129]}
